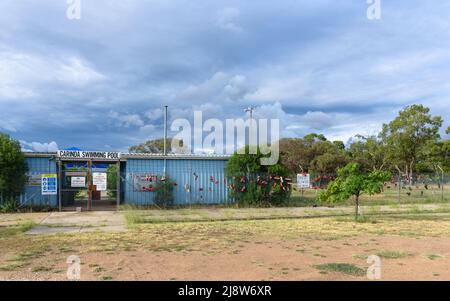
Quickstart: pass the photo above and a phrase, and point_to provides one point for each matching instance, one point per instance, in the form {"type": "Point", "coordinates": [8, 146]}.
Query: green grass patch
{"type": "Point", "coordinates": [26, 225]}
{"type": "Point", "coordinates": [12, 266]}
{"type": "Point", "coordinates": [98, 270]}
{"type": "Point", "coordinates": [344, 268]}
{"type": "Point", "coordinates": [393, 254]}
{"type": "Point", "coordinates": [133, 218]}
{"type": "Point", "coordinates": [432, 256]}
{"type": "Point", "coordinates": [41, 269]}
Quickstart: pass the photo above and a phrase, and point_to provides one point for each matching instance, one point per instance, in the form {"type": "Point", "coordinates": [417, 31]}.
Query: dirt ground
{"type": "Point", "coordinates": [413, 248]}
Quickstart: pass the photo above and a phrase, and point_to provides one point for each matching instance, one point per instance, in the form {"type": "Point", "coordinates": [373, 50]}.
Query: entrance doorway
{"type": "Point", "coordinates": [89, 185]}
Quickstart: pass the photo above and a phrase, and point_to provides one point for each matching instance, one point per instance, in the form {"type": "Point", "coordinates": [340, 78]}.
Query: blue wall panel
{"type": "Point", "coordinates": [32, 194]}
{"type": "Point", "coordinates": [198, 181]}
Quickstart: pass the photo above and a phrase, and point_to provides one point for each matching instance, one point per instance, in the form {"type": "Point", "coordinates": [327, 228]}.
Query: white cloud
{"type": "Point", "coordinates": [126, 120]}
{"type": "Point", "coordinates": [154, 114]}
{"type": "Point", "coordinates": [220, 87]}
{"type": "Point", "coordinates": [227, 17]}
{"type": "Point", "coordinates": [6, 126]}
{"type": "Point", "coordinates": [39, 147]}
{"type": "Point", "coordinates": [22, 74]}
{"type": "Point", "coordinates": [75, 71]}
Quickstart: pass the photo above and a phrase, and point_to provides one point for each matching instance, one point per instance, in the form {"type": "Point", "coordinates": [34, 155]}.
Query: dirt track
{"type": "Point", "coordinates": [259, 259]}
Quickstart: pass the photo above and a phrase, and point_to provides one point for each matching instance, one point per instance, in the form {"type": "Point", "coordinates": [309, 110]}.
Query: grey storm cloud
{"type": "Point", "coordinates": [101, 82]}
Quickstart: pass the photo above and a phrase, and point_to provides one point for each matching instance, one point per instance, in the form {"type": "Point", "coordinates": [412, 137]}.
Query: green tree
{"type": "Point", "coordinates": [328, 157]}
{"type": "Point", "coordinates": [369, 152]}
{"type": "Point", "coordinates": [156, 146]}
{"type": "Point", "coordinates": [13, 168]}
{"type": "Point", "coordinates": [111, 180]}
{"type": "Point", "coordinates": [408, 136]}
{"type": "Point", "coordinates": [339, 144]}
{"type": "Point", "coordinates": [315, 137]}
{"type": "Point", "coordinates": [353, 181]}
{"type": "Point", "coordinates": [256, 184]}
{"type": "Point", "coordinates": [313, 153]}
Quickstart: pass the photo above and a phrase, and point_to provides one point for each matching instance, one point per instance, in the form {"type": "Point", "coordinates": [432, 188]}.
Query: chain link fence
{"type": "Point", "coordinates": [421, 188]}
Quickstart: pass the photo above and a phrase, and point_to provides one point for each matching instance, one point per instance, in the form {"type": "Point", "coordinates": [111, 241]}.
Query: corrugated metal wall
{"type": "Point", "coordinates": [32, 195]}
{"type": "Point", "coordinates": [198, 181]}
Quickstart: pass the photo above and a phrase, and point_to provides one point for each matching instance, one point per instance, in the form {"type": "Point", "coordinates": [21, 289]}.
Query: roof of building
{"type": "Point", "coordinates": [125, 156]}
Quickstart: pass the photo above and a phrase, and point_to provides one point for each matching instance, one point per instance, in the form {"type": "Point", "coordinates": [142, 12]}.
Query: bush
{"type": "Point", "coordinates": [253, 184]}
{"type": "Point", "coordinates": [13, 168]}
{"type": "Point", "coordinates": [9, 206]}
{"type": "Point", "coordinates": [164, 192]}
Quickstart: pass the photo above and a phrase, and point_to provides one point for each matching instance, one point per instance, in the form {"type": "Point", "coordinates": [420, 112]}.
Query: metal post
{"type": "Point", "coordinates": [165, 139]}
{"type": "Point", "coordinates": [90, 185]}
{"type": "Point", "coordinates": [165, 130]}
{"type": "Point", "coordinates": [399, 186]}
{"type": "Point", "coordinates": [59, 185]}
{"type": "Point", "coordinates": [118, 185]}
{"type": "Point", "coordinates": [250, 110]}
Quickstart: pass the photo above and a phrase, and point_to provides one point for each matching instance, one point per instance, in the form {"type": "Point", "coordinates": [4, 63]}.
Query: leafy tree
{"type": "Point", "coordinates": [339, 144]}
{"type": "Point", "coordinates": [156, 146]}
{"type": "Point", "coordinates": [13, 168]}
{"type": "Point", "coordinates": [313, 153]}
{"type": "Point", "coordinates": [315, 137]}
{"type": "Point", "coordinates": [328, 157]}
{"type": "Point", "coordinates": [369, 152]}
{"type": "Point", "coordinates": [111, 181]}
{"type": "Point", "coordinates": [408, 136]}
{"type": "Point", "coordinates": [438, 156]}
{"type": "Point", "coordinates": [353, 181]}
{"type": "Point", "coordinates": [254, 184]}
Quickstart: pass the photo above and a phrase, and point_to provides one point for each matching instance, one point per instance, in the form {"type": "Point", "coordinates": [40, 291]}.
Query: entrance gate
{"type": "Point", "coordinates": [89, 185]}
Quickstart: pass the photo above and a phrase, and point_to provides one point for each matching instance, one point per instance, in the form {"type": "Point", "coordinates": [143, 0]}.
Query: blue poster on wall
{"type": "Point", "coordinates": [49, 184]}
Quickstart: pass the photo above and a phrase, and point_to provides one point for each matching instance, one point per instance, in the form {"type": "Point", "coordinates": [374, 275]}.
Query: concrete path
{"type": "Point", "coordinates": [78, 222]}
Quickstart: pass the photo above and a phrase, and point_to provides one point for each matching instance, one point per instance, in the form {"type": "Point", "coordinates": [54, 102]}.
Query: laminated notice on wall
{"type": "Point", "coordinates": [99, 179]}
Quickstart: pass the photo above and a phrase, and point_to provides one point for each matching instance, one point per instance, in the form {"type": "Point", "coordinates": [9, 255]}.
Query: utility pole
{"type": "Point", "coordinates": [250, 110]}
{"type": "Point", "coordinates": [165, 139]}
{"type": "Point", "coordinates": [165, 130]}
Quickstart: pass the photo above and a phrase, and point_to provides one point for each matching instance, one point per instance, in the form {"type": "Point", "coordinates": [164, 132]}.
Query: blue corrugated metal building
{"type": "Point", "coordinates": [198, 179]}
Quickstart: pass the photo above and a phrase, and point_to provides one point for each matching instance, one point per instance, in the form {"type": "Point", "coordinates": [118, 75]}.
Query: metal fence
{"type": "Point", "coordinates": [420, 188]}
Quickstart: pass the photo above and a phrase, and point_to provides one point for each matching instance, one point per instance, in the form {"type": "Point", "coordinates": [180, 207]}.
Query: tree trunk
{"type": "Point", "coordinates": [356, 206]}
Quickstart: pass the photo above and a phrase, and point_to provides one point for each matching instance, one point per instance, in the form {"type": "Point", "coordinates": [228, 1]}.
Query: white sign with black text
{"type": "Point", "coordinates": [303, 180]}
{"type": "Point", "coordinates": [94, 155]}
{"type": "Point", "coordinates": [78, 182]}
{"type": "Point", "coordinates": [100, 180]}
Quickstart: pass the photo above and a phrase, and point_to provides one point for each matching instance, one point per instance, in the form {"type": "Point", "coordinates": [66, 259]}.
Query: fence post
{"type": "Point", "coordinates": [399, 186]}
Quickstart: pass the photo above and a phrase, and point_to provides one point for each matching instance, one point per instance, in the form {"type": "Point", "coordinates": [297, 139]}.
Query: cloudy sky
{"type": "Point", "coordinates": [99, 83]}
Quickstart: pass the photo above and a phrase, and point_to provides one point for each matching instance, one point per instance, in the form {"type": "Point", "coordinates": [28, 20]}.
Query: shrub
{"type": "Point", "coordinates": [164, 192]}
{"type": "Point", "coordinates": [9, 206]}
{"type": "Point", "coordinates": [253, 184]}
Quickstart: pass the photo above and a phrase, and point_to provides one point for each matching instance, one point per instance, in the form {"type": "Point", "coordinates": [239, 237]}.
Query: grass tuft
{"type": "Point", "coordinates": [434, 256]}
{"type": "Point", "coordinates": [26, 225]}
{"type": "Point", "coordinates": [392, 254]}
{"type": "Point", "coordinates": [344, 268]}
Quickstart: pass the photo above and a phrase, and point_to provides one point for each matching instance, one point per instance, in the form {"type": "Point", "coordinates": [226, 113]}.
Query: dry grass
{"type": "Point", "coordinates": [211, 237]}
